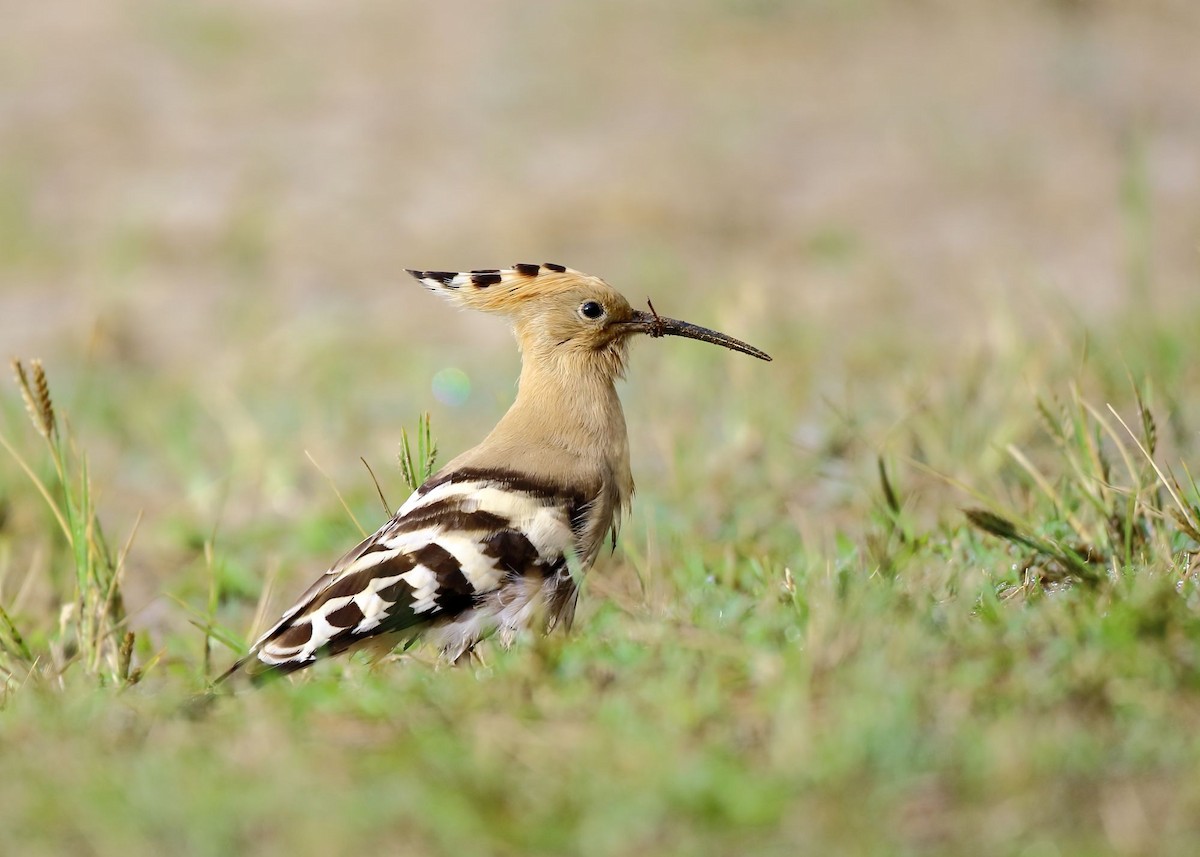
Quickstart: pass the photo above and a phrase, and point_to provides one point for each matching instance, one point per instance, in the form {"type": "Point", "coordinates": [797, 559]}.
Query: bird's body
{"type": "Point", "coordinates": [494, 540]}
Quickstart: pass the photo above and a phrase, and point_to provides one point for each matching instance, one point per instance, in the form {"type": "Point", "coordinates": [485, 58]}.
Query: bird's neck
{"type": "Point", "coordinates": [566, 405]}
{"type": "Point", "coordinates": [566, 426]}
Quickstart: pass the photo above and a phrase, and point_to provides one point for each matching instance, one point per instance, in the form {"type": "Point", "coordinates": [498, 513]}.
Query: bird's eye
{"type": "Point", "coordinates": [591, 309]}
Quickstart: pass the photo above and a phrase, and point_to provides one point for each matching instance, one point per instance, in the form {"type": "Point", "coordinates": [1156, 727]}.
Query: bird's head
{"type": "Point", "coordinates": [559, 313]}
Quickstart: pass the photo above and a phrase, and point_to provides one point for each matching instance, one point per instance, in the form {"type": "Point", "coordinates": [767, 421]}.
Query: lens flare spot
{"type": "Point", "coordinates": [451, 386]}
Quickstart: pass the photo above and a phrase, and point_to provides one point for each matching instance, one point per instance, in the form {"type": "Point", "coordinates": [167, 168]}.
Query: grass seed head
{"type": "Point", "coordinates": [36, 394]}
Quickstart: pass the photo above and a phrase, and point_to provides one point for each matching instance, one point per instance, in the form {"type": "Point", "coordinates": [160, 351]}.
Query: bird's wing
{"type": "Point", "coordinates": [455, 540]}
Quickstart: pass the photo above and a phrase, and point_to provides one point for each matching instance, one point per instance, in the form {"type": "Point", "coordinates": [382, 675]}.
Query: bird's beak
{"type": "Point", "coordinates": [654, 325]}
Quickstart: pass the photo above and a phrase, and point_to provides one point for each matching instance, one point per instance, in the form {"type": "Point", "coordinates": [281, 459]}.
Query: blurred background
{"type": "Point", "coordinates": [205, 210]}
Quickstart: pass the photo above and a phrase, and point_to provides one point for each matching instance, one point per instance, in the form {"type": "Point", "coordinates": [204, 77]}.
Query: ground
{"type": "Point", "coordinates": [963, 230]}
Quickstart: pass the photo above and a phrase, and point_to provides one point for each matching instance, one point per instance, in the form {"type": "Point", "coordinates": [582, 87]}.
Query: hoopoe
{"type": "Point", "coordinates": [494, 540]}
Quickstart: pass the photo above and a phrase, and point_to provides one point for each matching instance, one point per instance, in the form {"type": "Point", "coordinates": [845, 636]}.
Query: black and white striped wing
{"type": "Point", "coordinates": [469, 552]}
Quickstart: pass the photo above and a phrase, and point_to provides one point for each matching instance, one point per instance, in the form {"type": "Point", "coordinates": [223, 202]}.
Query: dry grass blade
{"type": "Point", "coordinates": [337, 493]}
{"type": "Point", "coordinates": [40, 486]}
{"type": "Point", "coordinates": [1044, 484]}
{"type": "Point", "coordinates": [946, 478]}
{"type": "Point", "coordinates": [1161, 476]}
{"type": "Point", "coordinates": [1106, 426]}
{"type": "Point", "coordinates": [261, 609]}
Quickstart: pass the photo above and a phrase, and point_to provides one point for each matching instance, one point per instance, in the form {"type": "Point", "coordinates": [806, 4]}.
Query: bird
{"type": "Point", "coordinates": [496, 541]}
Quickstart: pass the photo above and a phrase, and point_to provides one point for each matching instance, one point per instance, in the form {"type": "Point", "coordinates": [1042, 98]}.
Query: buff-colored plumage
{"type": "Point", "coordinates": [494, 540]}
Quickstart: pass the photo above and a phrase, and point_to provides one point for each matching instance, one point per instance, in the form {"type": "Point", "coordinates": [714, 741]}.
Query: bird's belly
{"type": "Point", "coordinates": [525, 601]}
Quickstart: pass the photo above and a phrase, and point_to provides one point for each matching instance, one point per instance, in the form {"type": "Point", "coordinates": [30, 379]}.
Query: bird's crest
{"type": "Point", "coordinates": [504, 289]}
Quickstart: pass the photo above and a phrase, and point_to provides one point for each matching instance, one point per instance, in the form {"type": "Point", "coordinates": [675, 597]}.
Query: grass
{"type": "Point", "coordinates": [1021, 678]}
{"type": "Point", "coordinates": [92, 618]}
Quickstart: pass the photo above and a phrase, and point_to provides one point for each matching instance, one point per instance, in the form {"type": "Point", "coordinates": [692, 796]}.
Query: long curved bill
{"type": "Point", "coordinates": [654, 325]}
